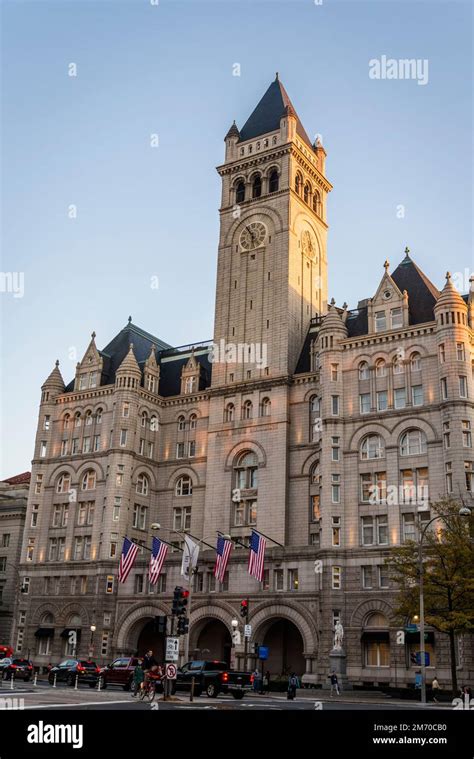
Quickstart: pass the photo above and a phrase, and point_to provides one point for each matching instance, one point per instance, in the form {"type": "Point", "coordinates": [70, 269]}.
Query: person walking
{"type": "Point", "coordinates": [292, 686]}
{"type": "Point", "coordinates": [138, 678]}
{"type": "Point", "coordinates": [266, 682]}
{"type": "Point", "coordinates": [435, 689]}
{"type": "Point", "coordinates": [334, 683]}
{"type": "Point", "coordinates": [256, 680]}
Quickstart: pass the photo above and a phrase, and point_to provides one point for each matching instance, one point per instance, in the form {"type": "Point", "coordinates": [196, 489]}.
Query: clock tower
{"type": "Point", "coordinates": [272, 266]}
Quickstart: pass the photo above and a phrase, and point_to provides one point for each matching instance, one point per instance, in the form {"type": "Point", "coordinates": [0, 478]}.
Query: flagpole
{"type": "Point", "coordinates": [268, 537]}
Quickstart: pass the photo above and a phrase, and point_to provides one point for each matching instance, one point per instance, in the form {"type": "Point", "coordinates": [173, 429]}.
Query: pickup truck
{"type": "Point", "coordinates": [213, 677]}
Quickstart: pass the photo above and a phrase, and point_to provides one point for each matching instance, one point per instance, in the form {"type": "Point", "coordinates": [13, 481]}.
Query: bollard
{"type": "Point", "coordinates": [98, 684]}
{"type": "Point", "coordinates": [191, 692]}
{"type": "Point", "coordinates": [75, 686]}
{"type": "Point", "coordinates": [35, 681]}
{"type": "Point", "coordinates": [54, 683]}
{"type": "Point", "coordinates": [12, 678]}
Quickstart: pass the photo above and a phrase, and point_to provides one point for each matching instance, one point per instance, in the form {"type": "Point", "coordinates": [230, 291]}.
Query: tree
{"type": "Point", "coordinates": [448, 575]}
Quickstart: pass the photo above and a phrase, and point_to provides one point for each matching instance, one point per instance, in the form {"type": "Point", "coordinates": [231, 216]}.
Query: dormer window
{"type": "Point", "coordinates": [396, 318]}
{"type": "Point", "coordinates": [189, 385]}
{"type": "Point", "coordinates": [380, 321]}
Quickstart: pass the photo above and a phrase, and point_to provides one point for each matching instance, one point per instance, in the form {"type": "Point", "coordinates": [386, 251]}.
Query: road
{"type": "Point", "coordinates": [43, 696]}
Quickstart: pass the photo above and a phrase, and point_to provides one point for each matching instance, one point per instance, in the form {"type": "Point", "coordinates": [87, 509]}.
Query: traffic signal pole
{"type": "Point", "coordinates": [246, 640]}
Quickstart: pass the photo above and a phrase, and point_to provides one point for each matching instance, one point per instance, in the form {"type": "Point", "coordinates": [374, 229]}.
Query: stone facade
{"type": "Point", "coordinates": [343, 404]}
{"type": "Point", "coordinates": [13, 502]}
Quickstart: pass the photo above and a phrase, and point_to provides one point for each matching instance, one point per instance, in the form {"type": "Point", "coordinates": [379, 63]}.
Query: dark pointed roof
{"type": "Point", "coordinates": [266, 116]}
{"type": "Point", "coordinates": [233, 131]}
{"type": "Point", "coordinates": [422, 294]}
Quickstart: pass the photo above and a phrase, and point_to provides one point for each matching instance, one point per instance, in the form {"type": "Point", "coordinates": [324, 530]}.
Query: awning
{"type": "Point", "coordinates": [414, 637]}
{"type": "Point", "coordinates": [44, 632]}
{"type": "Point", "coordinates": [375, 635]}
{"type": "Point", "coordinates": [67, 630]}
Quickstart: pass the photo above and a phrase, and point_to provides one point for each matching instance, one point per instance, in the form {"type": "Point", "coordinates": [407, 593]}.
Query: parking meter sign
{"type": "Point", "coordinates": [171, 671]}
{"type": "Point", "coordinates": [172, 649]}
{"type": "Point", "coordinates": [248, 631]}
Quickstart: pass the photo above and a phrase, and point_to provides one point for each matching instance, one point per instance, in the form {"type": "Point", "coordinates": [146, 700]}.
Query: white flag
{"type": "Point", "coordinates": [190, 557]}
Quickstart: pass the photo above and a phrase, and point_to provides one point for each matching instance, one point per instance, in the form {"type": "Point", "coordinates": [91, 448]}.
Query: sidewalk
{"type": "Point", "coordinates": [354, 697]}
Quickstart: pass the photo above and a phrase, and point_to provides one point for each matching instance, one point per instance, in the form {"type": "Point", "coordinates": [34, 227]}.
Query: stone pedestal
{"type": "Point", "coordinates": [337, 664]}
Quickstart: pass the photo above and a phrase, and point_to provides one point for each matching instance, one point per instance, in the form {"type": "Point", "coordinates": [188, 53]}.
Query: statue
{"type": "Point", "coordinates": [338, 636]}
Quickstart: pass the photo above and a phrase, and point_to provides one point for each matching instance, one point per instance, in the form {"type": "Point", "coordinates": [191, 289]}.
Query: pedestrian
{"type": "Point", "coordinates": [256, 680]}
{"type": "Point", "coordinates": [149, 661]}
{"type": "Point", "coordinates": [334, 683]}
{"type": "Point", "coordinates": [292, 686]}
{"type": "Point", "coordinates": [266, 681]}
{"type": "Point", "coordinates": [435, 689]}
{"type": "Point", "coordinates": [138, 677]}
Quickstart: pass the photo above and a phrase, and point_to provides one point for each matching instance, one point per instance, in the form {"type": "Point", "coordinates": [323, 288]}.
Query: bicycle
{"type": "Point", "coordinates": [148, 691]}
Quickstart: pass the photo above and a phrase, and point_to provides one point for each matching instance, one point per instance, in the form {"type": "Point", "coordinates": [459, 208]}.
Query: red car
{"type": "Point", "coordinates": [17, 668]}
{"type": "Point", "coordinates": [120, 672]}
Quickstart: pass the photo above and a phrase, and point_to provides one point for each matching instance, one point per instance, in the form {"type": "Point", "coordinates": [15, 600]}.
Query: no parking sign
{"type": "Point", "coordinates": [171, 671]}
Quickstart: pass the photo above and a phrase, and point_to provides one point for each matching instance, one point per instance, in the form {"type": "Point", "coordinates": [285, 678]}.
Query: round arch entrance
{"type": "Point", "coordinates": [285, 648]}
{"type": "Point", "coordinates": [144, 637]}
{"type": "Point", "coordinates": [213, 641]}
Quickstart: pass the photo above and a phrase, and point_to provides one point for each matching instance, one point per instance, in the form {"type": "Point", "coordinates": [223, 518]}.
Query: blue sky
{"type": "Point", "coordinates": [146, 212]}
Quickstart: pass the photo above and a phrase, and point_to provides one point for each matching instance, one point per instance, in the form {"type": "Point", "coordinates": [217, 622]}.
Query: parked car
{"type": "Point", "coordinates": [120, 672]}
{"type": "Point", "coordinates": [20, 669]}
{"type": "Point", "coordinates": [67, 671]}
{"type": "Point", "coordinates": [6, 652]}
{"type": "Point", "coordinates": [213, 677]}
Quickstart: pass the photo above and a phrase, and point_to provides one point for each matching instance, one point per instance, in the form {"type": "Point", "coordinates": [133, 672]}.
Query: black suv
{"type": "Point", "coordinates": [67, 671]}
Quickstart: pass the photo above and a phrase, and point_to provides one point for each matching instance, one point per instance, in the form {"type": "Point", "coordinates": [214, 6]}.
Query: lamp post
{"type": "Point", "coordinates": [464, 511]}
{"type": "Point", "coordinates": [235, 636]}
{"type": "Point", "coordinates": [93, 628]}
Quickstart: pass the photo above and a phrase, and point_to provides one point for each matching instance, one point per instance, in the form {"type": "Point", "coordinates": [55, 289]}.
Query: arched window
{"type": "Point", "coordinates": [266, 406]}
{"type": "Point", "coordinates": [376, 619]}
{"type": "Point", "coordinates": [315, 492]}
{"type": "Point", "coordinates": [377, 642]}
{"type": "Point", "coordinates": [240, 192]}
{"type": "Point", "coordinates": [397, 365]}
{"type": "Point", "coordinates": [372, 447]}
{"type": "Point", "coordinates": [257, 186]}
{"type": "Point", "coordinates": [74, 620]}
{"type": "Point", "coordinates": [77, 419]}
{"type": "Point", "coordinates": [246, 471]}
{"type": "Point", "coordinates": [144, 419]}
{"type": "Point", "coordinates": [143, 484]}
{"type": "Point", "coordinates": [315, 417]}
{"type": "Point", "coordinates": [154, 423]}
{"type": "Point", "coordinates": [229, 412]}
{"type": "Point", "coordinates": [181, 423]}
{"type": "Point", "coordinates": [273, 182]}
{"type": "Point", "coordinates": [380, 368]}
{"type": "Point", "coordinates": [193, 421]}
{"type": "Point", "coordinates": [412, 443]}
{"type": "Point", "coordinates": [184, 486]}
{"type": "Point", "coordinates": [297, 184]}
{"type": "Point", "coordinates": [246, 483]}
{"type": "Point", "coordinates": [247, 410]}
{"type": "Point", "coordinates": [88, 480]}
{"type": "Point", "coordinates": [316, 202]}
{"type": "Point", "coordinates": [88, 420]}
{"type": "Point", "coordinates": [306, 193]}
{"type": "Point", "coordinates": [47, 619]}
{"type": "Point", "coordinates": [66, 420]}
{"type": "Point", "coordinates": [64, 483]}
{"type": "Point", "coordinates": [415, 362]}
{"type": "Point", "coordinates": [98, 416]}
{"type": "Point", "coordinates": [363, 370]}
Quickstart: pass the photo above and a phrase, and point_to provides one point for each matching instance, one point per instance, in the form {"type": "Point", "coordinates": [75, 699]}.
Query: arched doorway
{"type": "Point", "coordinates": [285, 648]}
{"type": "Point", "coordinates": [213, 642]}
{"type": "Point", "coordinates": [148, 639]}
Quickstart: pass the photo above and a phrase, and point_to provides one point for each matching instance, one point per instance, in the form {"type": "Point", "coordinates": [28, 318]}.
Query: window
{"type": "Point", "coordinates": [364, 400]}
{"type": "Point", "coordinates": [335, 488]}
{"type": "Point", "coordinates": [335, 405]}
{"type": "Point", "coordinates": [382, 530]}
{"type": "Point", "coordinates": [30, 549]}
{"type": "Point", "coordinates": [104, 647]}
{"type": "Point", "coordinates": [366, 572]}
{"type": "Point", "coordinates": [446, 435]}
{"type": "Point", "coordinates": [75, 445]}
{"type": "Point", "coordinates": [87, 547]}
{"type": "Point", "coordinates": [82, 381]}
{"type": "Point", "coordinates": [384, 581]}
{"type": "Point", "coordinates": [417, 395]}
{"type": "Point", "coordinates": [442, 353]}
{"type": "Point", "coordinates": [182, 518]}
{"type": "Point", "coordinates": [113, 545]}
{"type": "Point", "coordinates": [47, 422]}
{"type": "Point", "coordinates": [116, 509]}
{"type": "Point", "coordinates": [397, 365]}
{"type": "Point", "coordinates": [3, 563]}
{"type": "Point", "coordinates": [189, 385]}
{"type": "Point", "coordinates": [335, 449]}
{"type": "Point", "coordinates": [96, 443]}
{"type": "Point", "coordinates": [229, 412]}
{"type": "Point", "coordinates": [150, 383]}
{"type": "Point", "coordinates": [306, 193]}
{"type": "Point", "coordinates": [462, 387]}
{"type": "Point", "coordinates": [377, 652]}
{"type": "Point", "coordinates": [64, 483]}
{"type": "Point", "coordinates": [119, 475]}
{"type": "Point", "coordinates": [191, 448]}
{"type": "Point", "coordinates": [469, 475]}
{"type": "Point", "coordinates": [144, 420]}
{"type": "Point", "coordinates": [123, 438]}
{"type": "Point", "coordinates": [382, 400]}
{"type": "Point", "coordinates": [44, 646]}
{"type": "Point", "coordinates": [143, 484]}
{"type": "Point", "coordinates": [380, 321]}
{"type": "Point", "coordinates": [399, 396]}
{"type": "Point", "coordinates": [77, 420]}
{"type": "Point", "coordinates": [374, 530]}
{"type": "Point", "coordinates": [460, 354]}
{"type": "Point", "coordinates": [414, 486]}
{"type": "Point", "coordinates": [98, 416]}
{"type": "Point", "coordinates": [83, 588]}
{"type": "Point", "coordinates": [34, 515]}
{"type": "Point", "coordinates": [88, 480]}
{"type": "Point", "coordinates": [5, 541]}
{"type": "Point", "coordinates": [336, 531]}
{"type": "Point", "coordinates": [193, 422]}
{"type": "Point", "coordinates": [139, 516]}
{"type": "Point", "coordinates": [66, 421]}
{"type": "Point", "coordinates": [86, 445]}
{"type": "Point", "coordinates": [138, 583]}
{"type": "Point", "coordinates": [247, 410]}
{"type": "Point", "coordinates": [184, 486]}
{"type": "Point", "coordinates": [181, 423]}
{"type": "Point", "coordinates": [316, 202]}
{"type": "Point", "coordinates": [180, 450]}
{"type": "Point", "coordinates": [88, 419]}
{"type": "Point", "coordinates": [246, 471]}
{"type": "Point", "coordinates": [292, 579]}
{"type": "Point", "coordinates": [364, 372]}
{"type": "Point", "coordinates": [466, 434]}
{"type": "Point", "coordinates": [257, 186]}
{"type": "Point", "coordinates": [38, 483]}
{"type": "Point", "coordinates": [380, 368]}
{"type": "Point", "coordinates": [297, 184]}
{"type": "Point", "coordinates": [125, 410]}
{"type": "Point", "coordinates": [265, 407]}
{"type": "Point", "coordinates": [336, 578]}
{"type": "Point", "coordinates": [315, 508]}
{"type": "Point", "coordinates": [273, 181]}
{"type": "Point", "coordinates": [415, 362]}
{"type": "Point", "coordinates": [240, 193]}
{"type": "Point", "coordinates": [396, 318]}
{"type": "Point", "coordinates": [141, 447]}
{"type": "Point", "coordinates": [413, 443]}
{"type": "Point", "coordinates": [245, 513]}
{"type": "Point", "coordinates": [409, 527]}
{"type": "Point", "coordinates": [372, 448]}
{"type": "Point", "coordinates": [373, 487]}
{"type": "Point", "coordinates": [315, 417]}
{"type": "Point", "coordinates": [77, 554]}
{"type": "Point", "coordinates": [449, 477]}
{"type": "Point", "coordinates": [444, 388]}
{"type": "Point", "coordinates": [43, 446]}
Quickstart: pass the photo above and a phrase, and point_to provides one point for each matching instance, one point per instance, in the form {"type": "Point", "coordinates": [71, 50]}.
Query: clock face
{"type": "Point", "coordinates": [307, 244]}
{"type": "Point", "coordinates": [253, 235]}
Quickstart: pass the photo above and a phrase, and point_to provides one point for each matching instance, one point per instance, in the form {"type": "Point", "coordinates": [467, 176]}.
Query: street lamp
{"type": "Point", "coordinates": [93, 628]}
{"type": "Point", "coordinates": [235, 639]}
{"type": "Point", "coordinates": [464, 511]}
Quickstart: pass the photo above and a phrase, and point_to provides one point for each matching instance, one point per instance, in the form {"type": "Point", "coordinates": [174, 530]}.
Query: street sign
{"type": "Point", "coordinates": [418, 658]}
{"type": "Point", "coordinates": [263, 652]}
{"type": "Point", "coordinates": [171, 671]}
{"type": "Point", "coordinates": [172, 649]}
{"type": "Point", "coordinates": [248, 631]}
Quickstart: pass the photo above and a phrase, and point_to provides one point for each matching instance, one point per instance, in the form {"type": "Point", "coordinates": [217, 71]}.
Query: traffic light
{"type": "Point", "coordinates": [182, 602]}
{"type": "Point", "coordinates": [183, 625]}
{"type": "Point", "coordinates": [244, 609]}
{"type": "Point", "coordinates": [176, 599]}
{"type": "Point", "coordinates": [160, 625]}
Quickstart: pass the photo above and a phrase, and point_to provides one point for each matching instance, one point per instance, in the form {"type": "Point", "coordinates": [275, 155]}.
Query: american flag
{"type": "Point", "coordinates": [257, 555]}
{"type": "Point", "coordinates": [223, 550]}
{"type": "Point", "coordinates": [158, 555]}
{"type": "Point", "coordinates": [127, 558]}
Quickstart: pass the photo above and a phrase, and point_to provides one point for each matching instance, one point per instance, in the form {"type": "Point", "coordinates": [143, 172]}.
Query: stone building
{"type": "Point", "coordinates": [306, 408]}
{"type": "Point", "coordinates": [13, 502]}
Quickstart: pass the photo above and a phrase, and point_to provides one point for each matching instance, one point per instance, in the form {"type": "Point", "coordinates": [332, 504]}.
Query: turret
{"type": "Point", "coordinates": [231, 139]}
